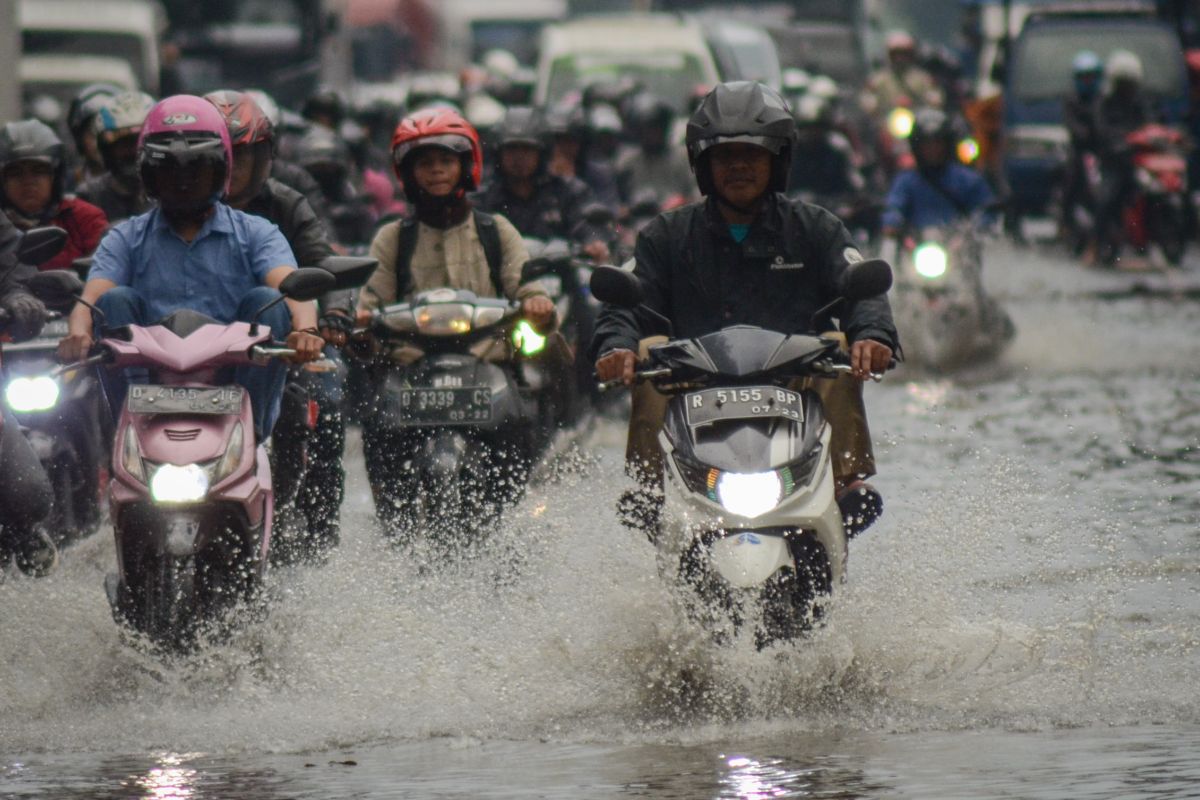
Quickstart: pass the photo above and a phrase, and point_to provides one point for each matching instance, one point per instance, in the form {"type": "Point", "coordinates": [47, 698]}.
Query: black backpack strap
{"type": "Point", "coordinates": [406, 245]}
{"type": "Point", "coordinates": [489, 239]}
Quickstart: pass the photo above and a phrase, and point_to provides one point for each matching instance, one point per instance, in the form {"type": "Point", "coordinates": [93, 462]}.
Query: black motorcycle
{"type": "Point", "coordinates": [462, 407]}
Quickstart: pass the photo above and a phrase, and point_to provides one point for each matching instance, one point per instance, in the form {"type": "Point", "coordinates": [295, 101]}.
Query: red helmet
{"type": "Point", "coordinates": [439, 127]}
{"type": "Point", "coordinates": [247, 122]}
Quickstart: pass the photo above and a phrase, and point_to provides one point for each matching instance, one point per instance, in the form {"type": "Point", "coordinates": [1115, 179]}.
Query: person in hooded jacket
{"type": "Point", "coordinates": [117, 125]}
{"type": "Point", "coordinates": [32, 177]}
{"type": "Point", "coordinates": [25, 493]}
{"type": "Point", "coordinates": [746, 254]}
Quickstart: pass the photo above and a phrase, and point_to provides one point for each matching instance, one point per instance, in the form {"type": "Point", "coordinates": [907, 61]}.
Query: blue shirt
{"type": "Point", "coordinates": [914, 203]}
{"type": "Point", "coordinates": [232, 254]}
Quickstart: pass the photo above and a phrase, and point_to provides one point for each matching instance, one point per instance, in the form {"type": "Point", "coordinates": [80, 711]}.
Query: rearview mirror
{"type": "Point", "coordinates": [55, 287]}
{"type": "Point", "coordinates": [616, 286]}
{"type": "Point", "coordinates": [349, 272]}
{"type": "Point", "coordinates": [307, 283]}
{"type": "Point", "coordinates": [39, 245]}
{"type": "Point", "coordinates": [866, 279]}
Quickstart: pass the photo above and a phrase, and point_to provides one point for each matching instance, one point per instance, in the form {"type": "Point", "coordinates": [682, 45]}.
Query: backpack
{"type": "Point", "coordinates": [489, 239]}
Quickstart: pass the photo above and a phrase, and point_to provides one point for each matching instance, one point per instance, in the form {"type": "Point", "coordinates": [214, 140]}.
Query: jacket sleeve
{"type": "Point", "coordinates": [515, 254]}
{"type": "Point", "coordinates": [867, 319]}
{"type": "Point", "coordinates": [896, 206]}
{"type": "Point", "coordinates": [381, 288]}
{"type": "Point", "coordinates": [310, 244]}
{"type": "Point", "coordinates": [620, 328]}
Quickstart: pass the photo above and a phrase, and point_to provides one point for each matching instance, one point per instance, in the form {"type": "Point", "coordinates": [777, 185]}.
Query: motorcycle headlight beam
{"type": "Point", "coordinates": [179, 484]}
{"type": "Point", "coordinates": [749, 495]}
{"type": "Point", "coordinates": [900, 122]}
{"type": "Point", "coordinates": [34, 393]}
{"type": "Point", "coordinates": [527, 340]}
{"type": "Point", "coordinates": [930, 260]}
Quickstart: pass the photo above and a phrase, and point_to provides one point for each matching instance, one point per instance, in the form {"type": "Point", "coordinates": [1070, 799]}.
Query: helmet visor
{"type": "Point", "coordinates": [772, 144]}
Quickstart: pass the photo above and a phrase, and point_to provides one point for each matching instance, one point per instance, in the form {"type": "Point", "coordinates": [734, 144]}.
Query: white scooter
{"type": "Point", "coordinates": [750, 519]}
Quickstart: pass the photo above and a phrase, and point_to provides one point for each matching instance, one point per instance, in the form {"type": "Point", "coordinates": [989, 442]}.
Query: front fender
{"type": "Point", "coordinates": [748, 558]}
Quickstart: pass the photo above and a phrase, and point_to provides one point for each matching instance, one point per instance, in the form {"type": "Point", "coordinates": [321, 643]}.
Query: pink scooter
{"type": "Point", "coordinates": [191, 497]}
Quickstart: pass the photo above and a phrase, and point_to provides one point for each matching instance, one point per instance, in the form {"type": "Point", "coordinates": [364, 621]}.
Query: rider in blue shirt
{"type": "Point", "coordinates": [940, 190]}
{"type": "Point", "coordinates": [194, 252]}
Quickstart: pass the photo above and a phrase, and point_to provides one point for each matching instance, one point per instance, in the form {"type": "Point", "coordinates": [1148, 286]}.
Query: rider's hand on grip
{"type": "Point", "coordinates": [308, 346]}
{"type": "Point", "coordinates": [74, 347]}
{"type": "Point", "coordinates": [539, 310]}
{"type": "Point", "coordinates": [617, 365]}
{"type": "Point", "coordinates": [868, 356]}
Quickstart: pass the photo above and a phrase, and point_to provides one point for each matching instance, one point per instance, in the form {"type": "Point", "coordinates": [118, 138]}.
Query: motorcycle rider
{"type": "Point", "coordinates": [25, 493]}
{"type": "Point", "coordinates": [118, 192]}
{"type": "Point", "coordinates": [446, 242]}
{"type": "Point", "coordinates": [87, 162]}
{"type": "Point", "coordinates": [325, 156]}
{"type": "Point", "coordinates": [33, 171]}
{"type": "Point", "coordinates": [903, 82]}
{"type": "Point", "coordinates": [940, 189]}
{"type": "Point", "coordinates": [746, 255]}
{"type": "Point", "coordinates": [1079, 116]}
{"type": "Point", "coordinates": [1121, 111]}
{"type": "Point", "coordinates": [540, 205]}
{"type": "Point", "coordinates": [656, 162]}
{"type": "Point", "coordinates": [193, 251]}
{"type": "Point", "coordinates": [252, 190]}
{"type": "Point", "coordinates": [823, 161]}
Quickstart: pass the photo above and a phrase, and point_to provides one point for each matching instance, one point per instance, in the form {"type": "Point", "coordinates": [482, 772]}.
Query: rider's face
{"type": "Point", "coordinates": [186, 185]}
{"type": "Point", "coordinates": [934, 152]}
{"type": "Point", "coordinates": [243, 170]}
{"type": "Point", "coordinates": [29, 185]}
{"type": "Point", "coordinates": [437, 171]}
{"type": "Point", "coordinates": [519, 161]}
{"type": "Point", "coordinates": [741, 172]}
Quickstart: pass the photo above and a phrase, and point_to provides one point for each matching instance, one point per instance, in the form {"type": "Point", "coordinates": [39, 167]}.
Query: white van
{"type": "Point", "coordinates": [126, 30]}
{"type": "Point", "coordinates": [471, 28]}
{"type": "Point", "coordinates": [667, 54]}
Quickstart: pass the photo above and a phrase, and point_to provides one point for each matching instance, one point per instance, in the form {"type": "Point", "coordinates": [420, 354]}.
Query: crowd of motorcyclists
{"type": "Point", "coordinates": [749, 214]}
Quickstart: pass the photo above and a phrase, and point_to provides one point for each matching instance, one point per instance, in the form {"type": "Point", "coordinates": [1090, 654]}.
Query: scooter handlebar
{"type": "Point", "coordinates": [640, 376]}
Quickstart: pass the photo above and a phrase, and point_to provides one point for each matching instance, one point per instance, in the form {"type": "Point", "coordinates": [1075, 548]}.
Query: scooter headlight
{"type": "Point", "coordinates": [900, 122]}
{"type": "Point", "coordinates": [749, 495]}
{"type": "Point", "coordinates": [930, 260]}
{"type": "Point", "coordinates": [175, 484]}
{"type": "Point", "coordinates": [33, 393]}
{"type": "Point", "coordinates": [527, 340]}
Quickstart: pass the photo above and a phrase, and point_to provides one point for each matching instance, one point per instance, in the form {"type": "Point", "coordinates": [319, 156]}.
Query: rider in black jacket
{"type": "Point", "coordinates": [748, 255]}
{"type": "Point", "coordinates": [319, 497]}
{"type": "Point", "coordinates": [25, 494]}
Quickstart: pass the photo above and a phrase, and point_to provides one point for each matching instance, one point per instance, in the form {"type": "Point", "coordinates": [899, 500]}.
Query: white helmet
{"type": "Point", "coordinates": [1123, 65]}
{"type": "Point", "coordinates": [824, 87]}
{"type": "Point", "coordinates": [122, 114]}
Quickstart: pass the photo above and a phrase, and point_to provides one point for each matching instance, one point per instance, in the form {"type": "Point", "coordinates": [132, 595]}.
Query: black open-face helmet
{"type": "Point", "coordinates": [33, 140]}
{"type": "Point", "coordinates": [741, 111]}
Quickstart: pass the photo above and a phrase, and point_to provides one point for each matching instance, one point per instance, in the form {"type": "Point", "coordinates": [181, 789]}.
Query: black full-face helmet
{"type": "Point", "coordinates": [932, 125]}
{"type": "Point", "coordinates": [747, 112]}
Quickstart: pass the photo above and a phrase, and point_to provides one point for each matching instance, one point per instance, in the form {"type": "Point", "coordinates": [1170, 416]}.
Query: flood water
{"type": "Point", "coordinates": [1023, 622]}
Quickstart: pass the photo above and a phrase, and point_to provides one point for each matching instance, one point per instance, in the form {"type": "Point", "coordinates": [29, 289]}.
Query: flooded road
{"type": "Point", "coordinates": [1023, 622]}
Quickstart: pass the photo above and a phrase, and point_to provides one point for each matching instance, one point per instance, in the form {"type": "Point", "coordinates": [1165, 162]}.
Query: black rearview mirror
{"type": "Point", "coordinates": [866, 279]}
{"type": "Point", "coordinates": [307, 283]}
{"type": "Point", "coordinates": [349, 272]}
{"type": "Point", "coordinates": [616, 286]}
{"type": "Point", "coordinates": [39, 245]}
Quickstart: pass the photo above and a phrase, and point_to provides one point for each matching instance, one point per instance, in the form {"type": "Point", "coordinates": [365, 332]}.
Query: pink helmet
{"type": "Point", "coordinates": [184, 130]}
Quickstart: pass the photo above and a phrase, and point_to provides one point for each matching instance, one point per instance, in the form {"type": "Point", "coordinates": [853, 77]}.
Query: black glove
{"type": "Point", "coordinates": [337, 321]}
{"type": "Point", "coordinates": [27, 315]}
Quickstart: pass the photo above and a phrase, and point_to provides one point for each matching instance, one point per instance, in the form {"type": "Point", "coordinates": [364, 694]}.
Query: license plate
{"type": "Point", "coordinates": [743, 402]}
{"type": "Point", "coordinates": [144, 399]}
{"type": "Point", "coordinates": [445, 406]}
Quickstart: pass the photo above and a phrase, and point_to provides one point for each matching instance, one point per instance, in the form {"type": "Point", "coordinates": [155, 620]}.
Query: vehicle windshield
{"type": "Point", "coordinates": [832, 51]}
{"type": "Point", "coordinates": [74, 43]}
{"type": "Point", "coordinates": [930, 21]}
{"type": "Point", "coordinates": [519, 37]}
{"type": "Point", "coordinates": [1042, 64]}
{"type": "Point", "coordinates": [671, 76]}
